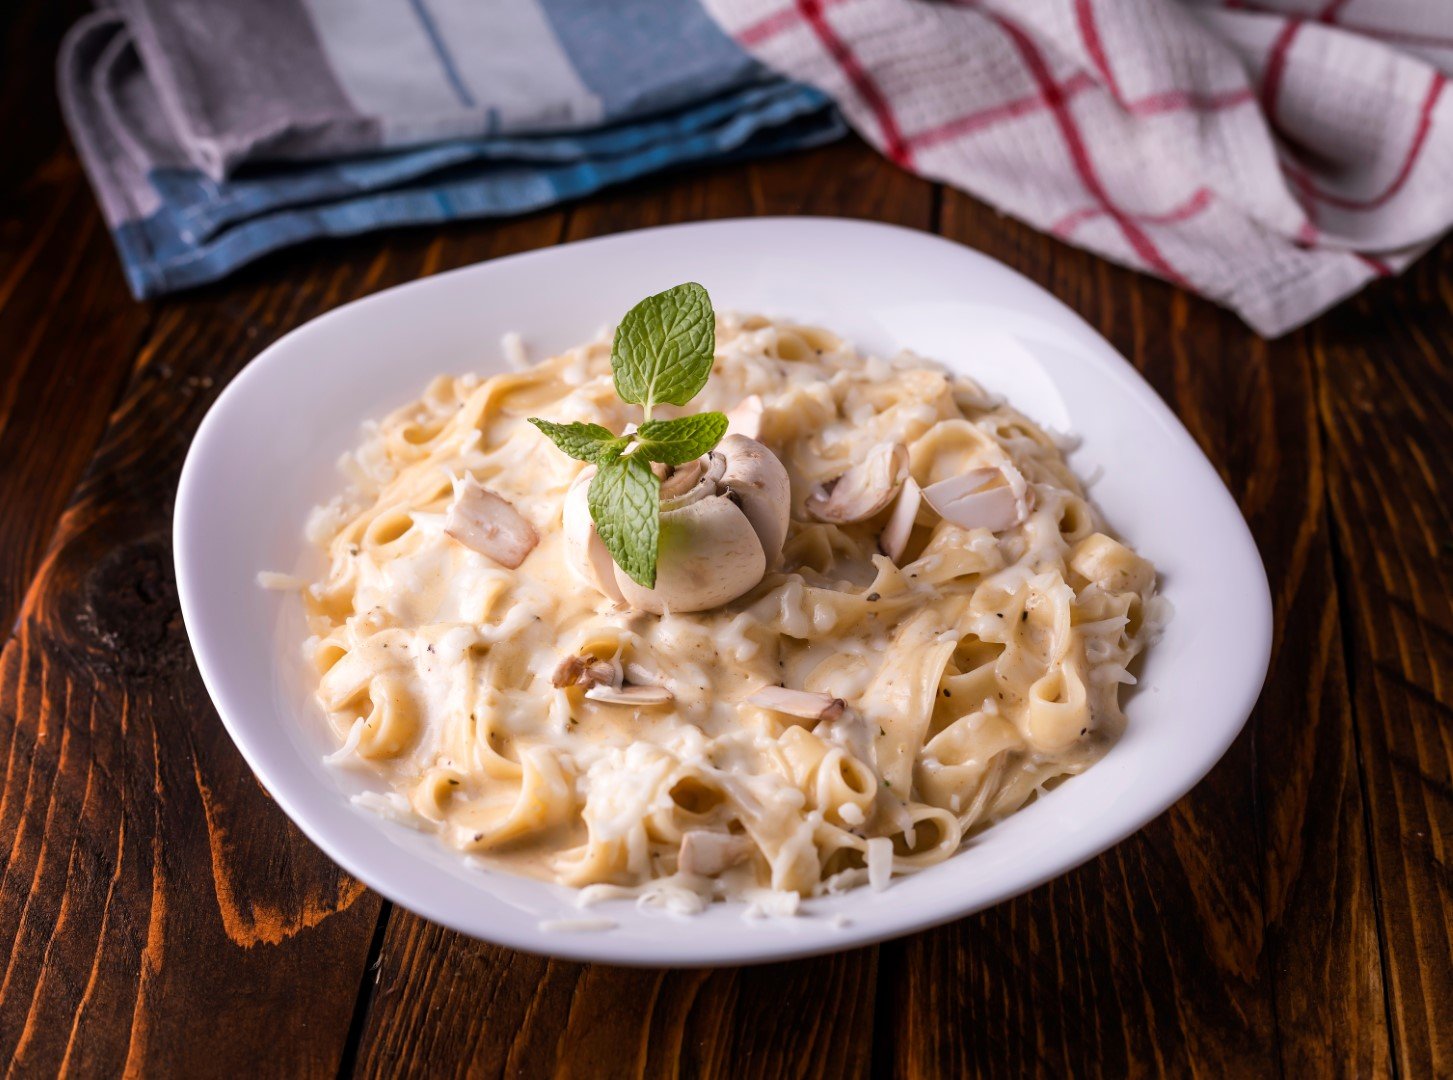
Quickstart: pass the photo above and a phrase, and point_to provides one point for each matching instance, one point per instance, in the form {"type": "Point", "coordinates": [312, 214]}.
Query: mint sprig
{"type": "Point", "coordinates": [584, 442]}
{"type": "Point", "coordinates": [661, 355]}
{"type": "Point", "coordinates": [675, 442]}
{"type": "Point", "coordinates": [625, 504]}
{"type": "Point", "coordinates": [662, 350]}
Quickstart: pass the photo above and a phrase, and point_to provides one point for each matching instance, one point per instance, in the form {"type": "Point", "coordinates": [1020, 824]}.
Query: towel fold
{"type": "Point", "coordinates": [214, 132]}
{"type": "Point", "coordinates": [1274, 155]}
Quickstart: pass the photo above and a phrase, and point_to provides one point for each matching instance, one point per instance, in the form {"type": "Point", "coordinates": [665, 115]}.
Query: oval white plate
{"type": "Point", "coordinates": [265, 455]}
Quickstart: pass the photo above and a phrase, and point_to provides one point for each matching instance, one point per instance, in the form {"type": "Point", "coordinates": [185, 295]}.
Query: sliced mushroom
{"type": "Point", "coordinates": [630, 695]}
{"type": "Point", "coordinates": [745, 418]}
{"type": "Point", "coordinates": [808, 704]}
{"type": "Point", "coordinates": [484, 522]}
{"type": "Point", "coordinates": [718, 533]}
{"type": "Point", "coordinates": [677, 480]}
{"type": "Point", "coordinates": [864, 489]}
{"type": "Point", "coordinates": [978, 499]}
{"type": "Point", "coordinates": [711, 853]}
{"type": "Point", "coordinates": [585, 551]}
{"type": "Point", "coordinates": [708, 554]}
{"type": "Point", "coordinates": [762, 489]}
{"type": "Point", "coordinates": [584, 671]}
{"type": "Point", "coordinates": [893, 540]}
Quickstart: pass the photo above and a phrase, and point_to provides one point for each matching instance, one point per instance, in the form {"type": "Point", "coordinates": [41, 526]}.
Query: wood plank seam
{"type": "Point", "coordinates": [1347, 608]}
{"type": "Point", "coordinates": [368, 987]}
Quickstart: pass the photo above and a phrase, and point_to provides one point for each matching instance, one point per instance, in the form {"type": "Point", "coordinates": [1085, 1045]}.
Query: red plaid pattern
{"type": "Point", "coordinates": [1273, 155]}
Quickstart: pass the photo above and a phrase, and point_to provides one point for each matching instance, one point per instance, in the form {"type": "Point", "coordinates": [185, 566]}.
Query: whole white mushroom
{"type": "Point", "coordinates": [723, 521]}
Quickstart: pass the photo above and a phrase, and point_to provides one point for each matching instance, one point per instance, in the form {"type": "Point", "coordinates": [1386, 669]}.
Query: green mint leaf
{"type": "Point", "coordinates": [625, 504]}
{"type": "Point", "coordinates": [663, 347]}
{"type": "Point", "coordinates": [675, 442]}
{"type": "Point", "coordinates": [584, 442]}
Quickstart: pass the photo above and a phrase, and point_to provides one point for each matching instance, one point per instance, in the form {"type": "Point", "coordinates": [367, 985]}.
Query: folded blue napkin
{"type": "Point", "coordinates": [215, 131]}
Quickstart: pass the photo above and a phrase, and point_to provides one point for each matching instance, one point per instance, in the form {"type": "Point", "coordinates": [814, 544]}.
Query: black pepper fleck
{"type": "Point", "coordinates": [945, 691]}
{"type": "Point", "coordinates": [1023, 615]}
{"type": "Point", "coordinates": [874, 596]}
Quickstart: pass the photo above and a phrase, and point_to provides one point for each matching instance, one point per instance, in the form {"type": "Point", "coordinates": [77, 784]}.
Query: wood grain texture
{"type": "Point", "coordinates": [68, 327]}
{"type": "Point", "coordinates": [1385, 364]}
{"type": "Point", "coordinates": [1292, 916]}
{"type": "Point", "coordinates": [446, 1005]}
{"type": "Point", "coordinates": [438, 992]}
{"type": "Point", "coordinates": [1235, 934]}
{"type": "Point", "coordinates": [161, 915]}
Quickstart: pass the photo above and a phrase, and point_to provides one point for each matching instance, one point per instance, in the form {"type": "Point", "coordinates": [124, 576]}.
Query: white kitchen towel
{"type": "Point", "coordinates": [1274, 156]}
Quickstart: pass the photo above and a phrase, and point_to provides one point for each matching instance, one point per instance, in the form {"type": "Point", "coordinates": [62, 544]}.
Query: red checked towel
{"type": "Point", "coordinates": [1274, 156]}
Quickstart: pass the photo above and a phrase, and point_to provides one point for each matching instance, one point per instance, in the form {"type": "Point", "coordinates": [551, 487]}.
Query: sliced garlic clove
{"type": "Point", "coordinates": [484, 522]}
{"type": "Point", "coordinates": [808, 704]}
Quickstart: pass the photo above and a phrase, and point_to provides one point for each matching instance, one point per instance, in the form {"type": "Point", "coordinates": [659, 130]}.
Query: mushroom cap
{"type": "Point", "coordinates": [987, 498]}
{"type": "Point", "coordinates": [709, 554]}
{"type": "Point", "coordinates": [893, 540]}
{"type": "Point", "coordinates": [585, 551]}
{"type": "Point", "coordinates": [762, 488]}
{"type": "Point", "coordinates": [865, 489]}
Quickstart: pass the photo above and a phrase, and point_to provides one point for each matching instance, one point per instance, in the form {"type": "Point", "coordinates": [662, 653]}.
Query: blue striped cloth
{"type": "Point", "coordinates": [214, 132]}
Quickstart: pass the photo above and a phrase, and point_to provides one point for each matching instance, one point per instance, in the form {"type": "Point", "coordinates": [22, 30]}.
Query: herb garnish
{"type": "Point", "coordinates": [661, 355]}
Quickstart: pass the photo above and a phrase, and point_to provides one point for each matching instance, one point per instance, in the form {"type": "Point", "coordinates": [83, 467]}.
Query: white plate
{"type": "Point", "coordinates": [265, 454]}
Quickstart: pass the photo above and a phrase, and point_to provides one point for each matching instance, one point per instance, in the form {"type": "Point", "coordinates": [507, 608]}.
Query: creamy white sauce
{"type": "Point", "coordinates": [974, 672]}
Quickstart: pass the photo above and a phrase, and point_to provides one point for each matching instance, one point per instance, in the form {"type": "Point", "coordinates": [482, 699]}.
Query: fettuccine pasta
{"type": "Point", "coordinates": [973, 670]}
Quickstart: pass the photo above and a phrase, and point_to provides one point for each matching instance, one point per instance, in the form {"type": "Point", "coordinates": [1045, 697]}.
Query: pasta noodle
{"type": "Point", "coordinates": [977, 667]}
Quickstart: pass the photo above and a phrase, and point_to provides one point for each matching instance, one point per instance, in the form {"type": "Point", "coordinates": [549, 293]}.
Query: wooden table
{"type": "Point", "coordinates": [1291, 916]}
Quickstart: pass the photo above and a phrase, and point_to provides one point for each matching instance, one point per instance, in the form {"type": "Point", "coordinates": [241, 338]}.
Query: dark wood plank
{"type": "Point", "coordinates": [1234, 935]}
{"type": "Point", "coordinates": [448, 1005]}
{"type": "Point", "coordinates": [1385, 364]}
{"type": "Point", "coordinates": [68, 327]}
{"type": "Point", "coordinates": [161, 916]}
